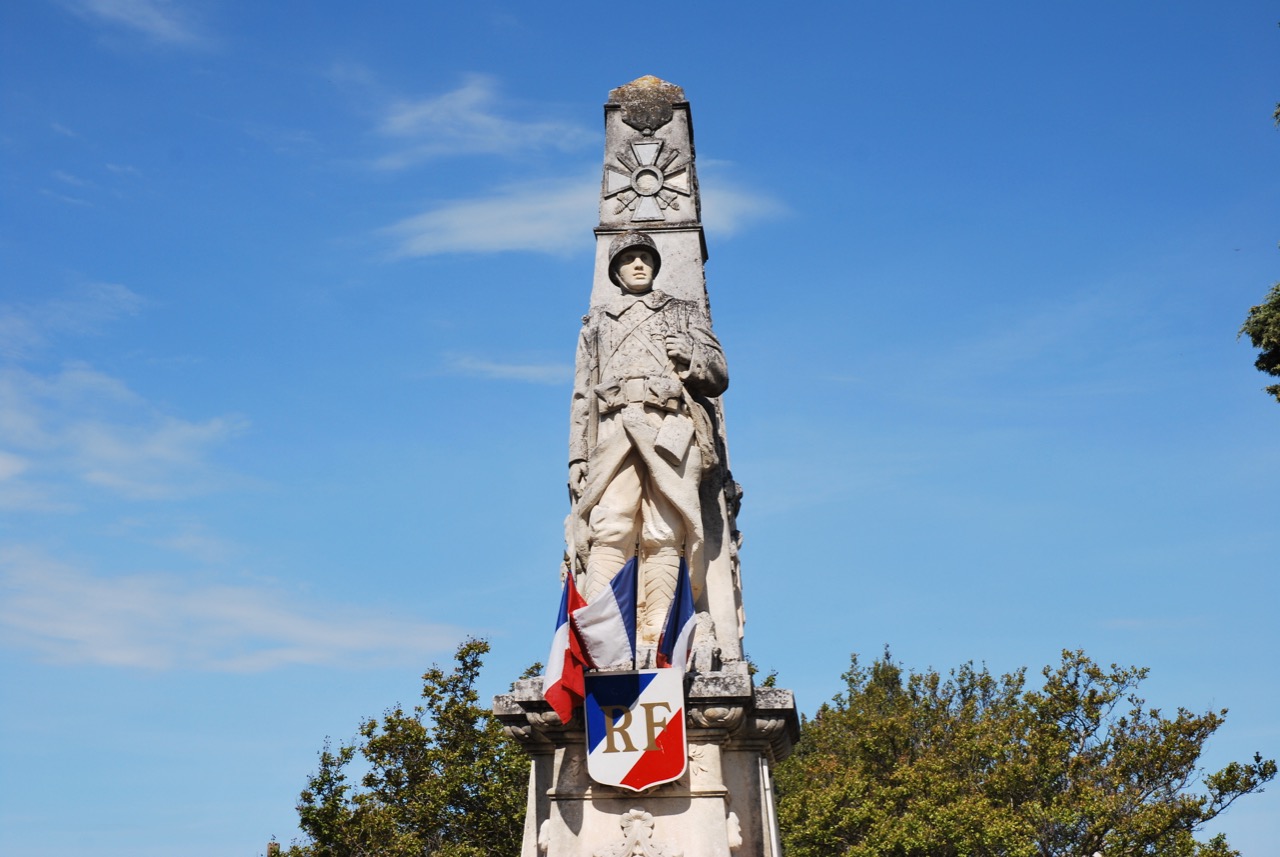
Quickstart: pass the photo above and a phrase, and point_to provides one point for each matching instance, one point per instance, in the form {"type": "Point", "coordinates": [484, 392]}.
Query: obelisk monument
{"type": "Point", "coordinates": [654, 502]}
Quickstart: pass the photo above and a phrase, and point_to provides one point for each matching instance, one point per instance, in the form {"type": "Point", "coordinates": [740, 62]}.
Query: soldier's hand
{"type": "Point", "coordinates": [577, 478]}
{"type": "Point", "coordinates": [679, 347]}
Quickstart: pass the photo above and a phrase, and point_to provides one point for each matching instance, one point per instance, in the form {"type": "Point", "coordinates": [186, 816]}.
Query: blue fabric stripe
{"type": "Point", "coordinates": [624, 592]}
{"type": "Point", "coordinates": [563, 615]}
{"type": "Point", "coordinates": [680, 612]}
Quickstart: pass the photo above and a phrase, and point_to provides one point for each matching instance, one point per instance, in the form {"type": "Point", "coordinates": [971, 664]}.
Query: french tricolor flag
{"type": "Point", "coordinates": [676, 641]}
{"type": "Point", "coordinates": [562, 682]}
{"type": "Point", "coordinates": [607, 626]}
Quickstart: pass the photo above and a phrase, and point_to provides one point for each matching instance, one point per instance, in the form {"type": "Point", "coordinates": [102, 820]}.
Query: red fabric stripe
{"type": "Point", "coordinates": [567, 694]}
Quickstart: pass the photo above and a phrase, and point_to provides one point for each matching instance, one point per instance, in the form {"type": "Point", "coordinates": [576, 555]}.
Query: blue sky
{"type": "Point", "coordinates": [289, 294]}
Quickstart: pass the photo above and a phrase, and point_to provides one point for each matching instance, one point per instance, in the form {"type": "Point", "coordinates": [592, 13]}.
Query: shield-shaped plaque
{"type": "Point", "coordinates": [635, 728]}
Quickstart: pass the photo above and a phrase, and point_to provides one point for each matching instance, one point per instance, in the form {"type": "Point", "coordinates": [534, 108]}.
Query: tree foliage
{"type": "Point", "coordinates": [915, 765]}
{"type": "Point", "coordinates": [441, 780]}
{"type": "Point", "coordinates": [901, 764]}
{"type": "Point", "coordinates": [1263, 329]}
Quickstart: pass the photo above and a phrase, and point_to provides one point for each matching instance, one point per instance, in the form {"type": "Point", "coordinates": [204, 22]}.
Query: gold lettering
{"type": "Point", "coordinates": [622, 715]}
{"type": "Point", "coordinates": [652, 725]}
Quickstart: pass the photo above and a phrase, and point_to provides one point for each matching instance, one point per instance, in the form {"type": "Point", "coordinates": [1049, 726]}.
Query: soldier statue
{"type": "Point", "coordinates": [641, 433]}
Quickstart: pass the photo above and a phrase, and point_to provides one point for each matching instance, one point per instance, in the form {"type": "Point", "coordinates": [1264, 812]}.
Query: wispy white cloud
{"type": "Point", "coordinates": [67, 178]}
{"type": "Point", "coordinates": [162, 21]}
{"type": "Point", "coordinates": [728, 209]}
{"type": "Point", "coordinates": [546, 217]}
{"type": "Point", "coordinates": [154, 621]}
{"type": "Point", "coordinates": [194, 540]}
{"type": "Point", "coordinates": [552, 216]}
{"type": "Point", "coordinates": [11, 465]}
{"type": "Point", "coordinates": [1034, 336]}
{"type": "Point", "coordinates": [164, 457]}
{"type": "Point", "coordinates": [534, 373]}
{"type": "Point", "coordinates": [18, 335]}
{"type": "Point", "coordinates": [62, 197]}
{"type": "Point", "coordinates": [76, 427]}
{"type": "Point", "coordinates": [80, 427]}
{"type": "Point", "coordinates": [19, 494]}
{"type": "Point", "coordinates": [469, 120]}
{"type": "Point", "coordinates": [1027, 359]}
{"type": "Point", "coordinates": [25, 328]}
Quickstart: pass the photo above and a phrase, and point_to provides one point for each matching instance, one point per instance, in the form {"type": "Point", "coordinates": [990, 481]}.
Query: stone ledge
{"type": "Point", "coordinates": [723, 708]}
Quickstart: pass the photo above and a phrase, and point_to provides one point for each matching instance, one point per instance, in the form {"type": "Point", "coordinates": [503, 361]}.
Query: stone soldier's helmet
{"type": "Point", "coordinates": [631, 241]}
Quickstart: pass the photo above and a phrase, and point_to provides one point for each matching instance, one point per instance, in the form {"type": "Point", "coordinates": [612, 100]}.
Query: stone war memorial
{"type": "Point", "coordinates": [647, 735]}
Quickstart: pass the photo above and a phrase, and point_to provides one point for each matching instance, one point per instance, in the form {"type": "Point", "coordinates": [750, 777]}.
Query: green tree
{"type": "Point", "coordinates": [1262, 325]}
{"type": "Point", "coordinates": [918, 765]}
{"type": "Point", "coordinates": [442, 780]}
{"type": "Point", "coordinates": [1263, 329]}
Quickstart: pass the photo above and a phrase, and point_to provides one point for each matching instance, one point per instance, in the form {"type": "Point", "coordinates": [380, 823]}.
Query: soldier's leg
{"type": "Point", "coordinates": [662, 537]}
{"type": "Point", "coordinates": [613, 524]}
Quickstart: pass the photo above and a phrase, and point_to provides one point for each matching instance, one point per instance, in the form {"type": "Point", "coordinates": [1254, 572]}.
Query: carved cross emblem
{"type": "Point", "coordinates": [646, 180]}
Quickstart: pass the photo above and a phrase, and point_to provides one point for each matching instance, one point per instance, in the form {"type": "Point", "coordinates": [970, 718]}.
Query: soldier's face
{"type": "Point", "coordinates": [635, 269]}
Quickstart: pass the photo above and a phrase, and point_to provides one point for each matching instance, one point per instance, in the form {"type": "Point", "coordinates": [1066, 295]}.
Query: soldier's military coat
{"type": "Point", "coordinates": [628, 396]}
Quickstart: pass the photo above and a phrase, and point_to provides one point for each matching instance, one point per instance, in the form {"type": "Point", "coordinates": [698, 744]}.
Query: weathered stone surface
{"type": "Point", "coordinates": [626, 491]}
{"type": "Point", "coordinates": [649, 179]}
{"type": "Point", "coordinates": [646, 102]}
{"type": "Point", "coordinates": [649, 476]}
{"type": "Point", "coordinates": [722, 805]}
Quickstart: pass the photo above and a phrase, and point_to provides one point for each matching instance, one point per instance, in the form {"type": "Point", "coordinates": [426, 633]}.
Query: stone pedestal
{"type": "Point", "coordinates": [722, 806]}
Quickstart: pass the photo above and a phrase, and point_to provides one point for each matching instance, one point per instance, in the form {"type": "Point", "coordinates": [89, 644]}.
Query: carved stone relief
{"type": "Point", "coordinates": [717, 717]}
{"type": "Point", "coordinates": [637, 839]}
{"type": "Point", "coordinates": [734, 831]}
{"type": "Point", "coordinates": [646, 180]}
{"type": "Point", "coordinates": [699, 764]}
{"type": "Point", "coordinates": [646, 102]}
{"type": "Point", "coordinates": [644, 443]}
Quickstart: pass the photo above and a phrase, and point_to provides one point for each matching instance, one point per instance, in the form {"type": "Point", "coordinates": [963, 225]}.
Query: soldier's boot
{"type": "Point", "coordinates": [603, 562]}
{"type": "Point", "coordinates": [658, 574]}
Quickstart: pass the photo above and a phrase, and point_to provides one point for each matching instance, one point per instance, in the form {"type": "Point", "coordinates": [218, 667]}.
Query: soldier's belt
{"type": "Point", "coordinates": [657, 392]}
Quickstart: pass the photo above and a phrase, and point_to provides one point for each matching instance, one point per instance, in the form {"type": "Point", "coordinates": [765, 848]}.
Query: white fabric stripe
{"type": "Point", "coordinates": [555, 660]}
{"type": "Point", "coordinates": [684, 643]}
{"type": "Point", "coordinates": [603, 632]}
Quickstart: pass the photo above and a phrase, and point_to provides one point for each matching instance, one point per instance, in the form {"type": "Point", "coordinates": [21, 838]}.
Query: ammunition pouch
{"type": "Point", "coordinates": [665, 394]}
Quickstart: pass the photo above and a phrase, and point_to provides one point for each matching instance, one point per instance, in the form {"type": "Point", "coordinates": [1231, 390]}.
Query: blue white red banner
{"type": "Point", "coordinates": [562, 681]}
{"type": "Point", "coordinates": [635, 727]}
{"type": "Point", "coordinates": [607, 626]}
{"type": "Point", "coordinates": [677, 632]}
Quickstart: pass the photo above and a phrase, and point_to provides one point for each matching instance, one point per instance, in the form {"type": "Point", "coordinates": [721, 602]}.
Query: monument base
{"type": "Point", "coordinates": [723, 804]}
